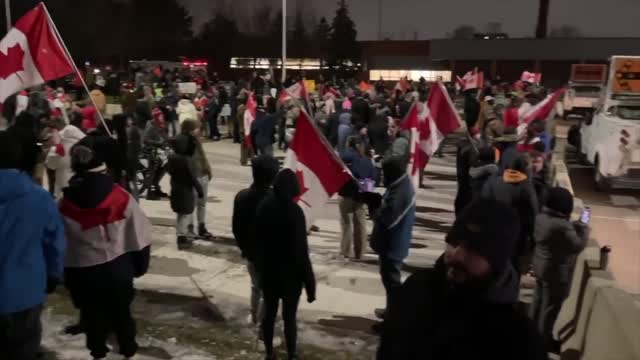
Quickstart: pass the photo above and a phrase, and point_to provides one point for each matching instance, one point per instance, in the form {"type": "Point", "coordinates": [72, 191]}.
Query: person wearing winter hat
{"type": "Point", "coordinates": [393, 218]}
{"type": "Point", "coordinates": [464, 307]}
{"type": "Point", "coordinates": [557, 243]}
{"type": "Point", "coordinates": [183, 184]}
{"type": "Point", "coordinates": [265, 169]}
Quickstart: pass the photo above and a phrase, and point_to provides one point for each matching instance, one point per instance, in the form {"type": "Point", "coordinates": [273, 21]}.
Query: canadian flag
{"type": "Point", "coordinates": [402, 85]}
{"type": "Point", "coordinates": [471, 80]}
{"type": "Point", "coordinates": [533, 78]}
{"type": "Point", "coordinates": [540, 111]}
{"type": "Point", "coordinates": [249, 118]}
{"type": "Point", "coordinates": [320, 172]}
{"type": "Point", "coordinates": [429, 123]}
{"type": "Point", "coordinates": [31, 53]}
{"type": "Point", "coordinates": [295, 91]}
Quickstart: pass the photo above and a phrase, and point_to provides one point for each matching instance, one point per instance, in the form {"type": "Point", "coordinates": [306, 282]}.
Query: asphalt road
{"type": "Point", "coordinates": [615, 222]}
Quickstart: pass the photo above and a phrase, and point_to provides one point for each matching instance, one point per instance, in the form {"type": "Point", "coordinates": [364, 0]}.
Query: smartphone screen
{"type": "Point", "coordinates": [585, 218]}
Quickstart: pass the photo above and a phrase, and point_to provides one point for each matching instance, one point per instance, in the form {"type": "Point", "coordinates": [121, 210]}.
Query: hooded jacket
{"type": "Point", "coordinates": [433, 319]}
{"type": "Point", "coordinates": [246, 204]}
{"type": "Point", "coordinates": [393, 221]}
{"type": "Point", "coordinates": [479, 176]}
{"type": "Point", "coordinates": [515, 189]}
{"type": "Point", "coordinates": [186, 110]}
{"type": "Point", "coordinates": [59, 158]}
{"type": "Point", "coordinates": [32, 242]}
{"type": "Point", "coordinates": [183, 178]}
{"type": "Point", "coordinates": [281, 232]}
{"type": "Point", "coordinates": [557, 243]}
{"type": "Point", "coordinates": [344, 130]}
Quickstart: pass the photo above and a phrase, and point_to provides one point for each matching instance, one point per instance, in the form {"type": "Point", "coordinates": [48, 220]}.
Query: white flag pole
{"type": "Point", "coordinates": [284, 40]}
{"type": "Point", "coordinates": [7, 12]}
{"type": "Point", "coordinates": [75, 68]}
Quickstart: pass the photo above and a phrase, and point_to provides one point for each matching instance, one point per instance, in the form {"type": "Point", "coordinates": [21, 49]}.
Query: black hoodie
{"type": "Point", "coordinates": [183, 179]}
{"type": "Point", "coordinates": [283, 251]}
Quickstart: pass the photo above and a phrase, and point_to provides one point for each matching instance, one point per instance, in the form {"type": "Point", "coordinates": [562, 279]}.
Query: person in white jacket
{"type": "Point", "coordinates": [186, 110]}
{"type": "Point", "coordinates": [59, 158]}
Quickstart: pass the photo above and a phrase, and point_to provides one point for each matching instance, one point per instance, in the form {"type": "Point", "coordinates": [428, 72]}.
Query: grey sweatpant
{"type": "Point", "coordinates": [201, 204]}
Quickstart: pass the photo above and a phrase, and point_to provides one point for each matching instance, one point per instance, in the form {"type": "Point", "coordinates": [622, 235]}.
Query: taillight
{"type": "Point", "coordinates": [625, 133]}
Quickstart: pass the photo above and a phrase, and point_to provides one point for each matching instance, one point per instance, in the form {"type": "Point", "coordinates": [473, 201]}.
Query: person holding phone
{"type": "Point", "coordinates": [558, 241]}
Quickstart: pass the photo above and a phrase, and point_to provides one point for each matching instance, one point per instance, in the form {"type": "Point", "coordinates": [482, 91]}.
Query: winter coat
{"type": "Point", "coordinates": [467, 153]}
{"type": "Point", "coordinates": [200, 163]}
{"type": "Point", "coordinates": [377, 130]}
{"type": "Point", "coordinates": [183, 179]}
{"type": "Point", "coordinates": [32, 242]}
{"type": "Point", "coordinates": [432, 319]}
{"type": "Point", "coordinates": [186, 111]}
{"type": "Point", "coordinates": [479, 176]}
{"type": "Point", "coordinates": [264, 128]}
{"type": "Point", "coordinates": [281, 234]}
{"type": "Point", "coordinates": [59, 156]}
{"type": "Point", "coordinates": [393, 221]}
{"type": "Point", "coordinates": [557, 243]}
{"type": "Point", "coordinates": [344, 130]}
{"type": "Point", "coordinates": [515, 189]}
{"type": "Point", "coordinates": [360, 108]}
{"type": "Point", "coordinates": [245, 207]}
{"type": "Point", "coordinates": [108, 233]}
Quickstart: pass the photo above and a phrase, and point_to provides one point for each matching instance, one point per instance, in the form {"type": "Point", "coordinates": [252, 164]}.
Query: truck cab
{"type": "Point", "coordinates": [610, 137]}
{"type": "Point", "coordinates": [581, 99]}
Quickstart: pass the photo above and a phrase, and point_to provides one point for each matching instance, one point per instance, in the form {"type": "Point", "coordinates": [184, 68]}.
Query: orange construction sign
{"type": "Point", "coordinates": [627, 76]}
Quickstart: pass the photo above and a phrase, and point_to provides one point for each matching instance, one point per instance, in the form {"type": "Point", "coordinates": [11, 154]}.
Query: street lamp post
{"type": "Point", "coordinates": [7, 11]}
{"type": "Point", "coordinates": [284, 40]}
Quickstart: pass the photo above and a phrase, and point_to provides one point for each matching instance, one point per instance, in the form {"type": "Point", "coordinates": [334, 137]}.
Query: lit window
{"type": "Point", "coordinates": [414, 75]}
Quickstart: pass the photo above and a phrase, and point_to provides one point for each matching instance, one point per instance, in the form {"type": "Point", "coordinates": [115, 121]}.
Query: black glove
{"type": "Point", "coordinates": [52, 283]}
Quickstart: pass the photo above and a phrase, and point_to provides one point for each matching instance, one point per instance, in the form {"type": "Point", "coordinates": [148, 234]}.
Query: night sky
{"type": "Point", "coordinates": [435, 18]}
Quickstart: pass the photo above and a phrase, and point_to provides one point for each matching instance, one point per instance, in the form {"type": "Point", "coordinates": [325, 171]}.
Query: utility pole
{"type": "Point", "coordinates": [7, 11]}
{"type": "Point", "coordinates": [284, 40]}
{"type": "Point", "coordinates": [379, 20]}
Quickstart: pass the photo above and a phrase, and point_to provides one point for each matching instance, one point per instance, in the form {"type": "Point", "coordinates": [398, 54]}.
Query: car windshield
{"type": "Point", "coordinates": [586, 91]}
{"type": "Point", "coordinates": [629, 112]}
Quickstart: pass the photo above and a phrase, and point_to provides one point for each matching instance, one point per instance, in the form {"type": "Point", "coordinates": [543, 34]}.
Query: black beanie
{"type": "Point", "coordinates": [560, 199]}
{"type": "Point", "coordinates": [394, 168]}
{"type": "Point", "coordinates": [488, 227]}
{"type": "Point", "coordinates": [265, 169]}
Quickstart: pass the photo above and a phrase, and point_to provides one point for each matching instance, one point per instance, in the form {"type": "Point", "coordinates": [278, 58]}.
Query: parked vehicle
{"type": "Point", "coordinates": [585, 89]}
{"type": "Point", "coordinates": [610, 138]}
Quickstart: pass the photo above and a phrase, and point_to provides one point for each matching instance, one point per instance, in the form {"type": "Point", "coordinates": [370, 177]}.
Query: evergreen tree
{"type": "Point", "coordinates": [216, 41]}
{"type": "Point", "coordinates": [321, 39]}
{"type": "Point", "coordinates": [343, 46]}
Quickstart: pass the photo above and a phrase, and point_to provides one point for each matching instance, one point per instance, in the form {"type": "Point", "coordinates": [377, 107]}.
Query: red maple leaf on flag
{"type": "Point", "coordinates": [303, 187]}
{"type": "Point", "coordinates": [11, 62]}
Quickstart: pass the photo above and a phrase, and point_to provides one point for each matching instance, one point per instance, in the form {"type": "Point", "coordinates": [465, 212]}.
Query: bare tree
{"type": "Point", "coordinates": [463, 32]}
{"type": "Point", "coordinates": [543, 19]}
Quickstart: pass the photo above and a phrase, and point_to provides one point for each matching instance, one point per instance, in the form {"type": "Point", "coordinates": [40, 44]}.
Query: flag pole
{"type": "Point", "coordinates": [284, 41]}
{"type": "Point", "coordinates": [75, 68]}
{"type": "Point", "coordinates": [7, 12]}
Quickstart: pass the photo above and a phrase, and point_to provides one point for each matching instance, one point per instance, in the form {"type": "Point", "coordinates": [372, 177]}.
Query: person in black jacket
{"type": "Point", "coordinates": [466, 155]}
{"type": "Point", "coordinates": [264, 128]}
{"type": "Point", "coordinates": [482, 170]}
{"type": "Point", "coordinates": [183, 184]}
{"type": "Point", "coordinates": [465, 307]}
{"type": "Point", "coordinates": [558, 241]}
{"type": "Point", "coordinates": [245, 205]}
{"type": "Point", "coordinates": [109, 240]}
{"type": "Point", "coordinates": [283, 259]}
{"type": "Point", "coordinates": [515, 189]}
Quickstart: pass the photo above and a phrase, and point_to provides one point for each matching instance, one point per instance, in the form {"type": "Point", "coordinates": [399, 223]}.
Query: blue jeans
{"type": "Point", "coordinates": [391, 277]}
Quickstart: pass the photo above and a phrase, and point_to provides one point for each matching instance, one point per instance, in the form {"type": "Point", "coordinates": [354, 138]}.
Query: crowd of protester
{"type": "Point", "coordinates": [510, 220]}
